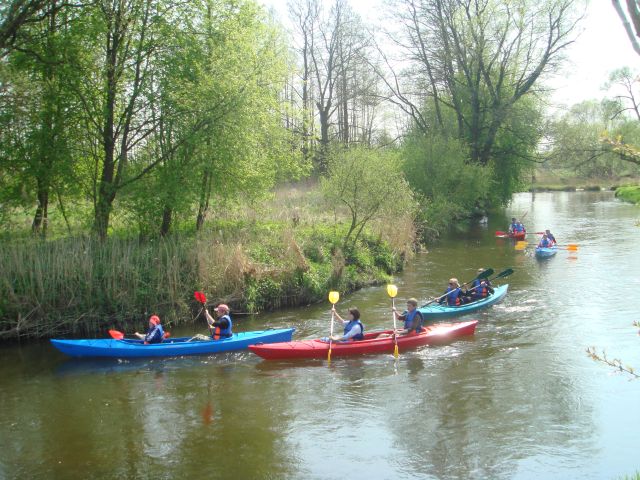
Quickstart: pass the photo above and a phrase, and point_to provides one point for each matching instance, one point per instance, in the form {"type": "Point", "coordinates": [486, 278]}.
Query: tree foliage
{"type": "Point", "coordinates": [369, 184]}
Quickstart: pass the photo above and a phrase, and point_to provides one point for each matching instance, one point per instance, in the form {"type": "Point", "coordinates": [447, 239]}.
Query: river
{"type": "Point", "coordinates": [519, 400]}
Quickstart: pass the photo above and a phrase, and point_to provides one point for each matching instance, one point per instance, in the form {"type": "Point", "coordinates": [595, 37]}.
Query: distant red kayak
{"type": "Point", "coordinates": [433, 334]}
{"type": "Point", "coordinates": [515, 236]}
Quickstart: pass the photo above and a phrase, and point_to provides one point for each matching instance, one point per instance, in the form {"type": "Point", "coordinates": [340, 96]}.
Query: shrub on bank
{"type": "Point", "coordinates": [629, 194]}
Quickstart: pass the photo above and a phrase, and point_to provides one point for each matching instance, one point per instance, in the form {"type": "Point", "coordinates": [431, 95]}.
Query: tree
{"type": "Point", "coordinates": [370, 184]}
{"type": "Point", "coordinates": [630, 21]}
{"type": "Point", "coordinates": [479, 60]}
{"type": "Point", "coordinates": [336, 52]}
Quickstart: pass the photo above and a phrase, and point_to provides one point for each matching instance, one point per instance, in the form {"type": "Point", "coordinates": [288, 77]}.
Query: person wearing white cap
{"type": "Point", "coordinates": [221, 327]}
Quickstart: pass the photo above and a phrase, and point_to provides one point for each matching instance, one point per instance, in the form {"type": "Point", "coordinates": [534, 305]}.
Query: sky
{"type": "Point", "coordinates": [601, 47]}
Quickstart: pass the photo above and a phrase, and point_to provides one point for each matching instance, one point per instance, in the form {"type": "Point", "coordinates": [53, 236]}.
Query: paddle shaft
{"type": "Point", "coordinates": [395, 327]}
{"type": "Point", "coordinates": [502, 274]}
{"type": "Point", "coordinates": [333, 306]}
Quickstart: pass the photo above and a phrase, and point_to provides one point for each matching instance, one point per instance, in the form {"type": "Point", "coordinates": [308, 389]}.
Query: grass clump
{"type": "Point", "coordinates": [629, 194]}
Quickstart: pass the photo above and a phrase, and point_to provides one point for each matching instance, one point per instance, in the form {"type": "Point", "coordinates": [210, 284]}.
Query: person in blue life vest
{"type": "Point", "coordinates": [453, 295]}
{"type": "Point", "coordinates": [480, 288]}
{"type": "Point", "coordinates": [544, 242]}
{"type": "Point", "coordinates": [353, 328]}
{"type": "Point", "coordinates": [155, 334]}
{"type": "Point", "coordinates": [512, 225]}
{"type": "Point", "coordinates": [221, 327]}
{"type": "Point", "coordinates": [519, 228]}
{"type": "Point", "coordinates": [412, 318]}
{"type": "Point", "coordinates": [550, 237]}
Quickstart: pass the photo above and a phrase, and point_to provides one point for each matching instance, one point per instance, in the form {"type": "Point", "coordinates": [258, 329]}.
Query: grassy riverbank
{"type": "Point", "coordinates": [629, 194]}
{"type": "Point", "coordinates": [289, 252]}
{"type": "Point", "coordinates": [550, 182]}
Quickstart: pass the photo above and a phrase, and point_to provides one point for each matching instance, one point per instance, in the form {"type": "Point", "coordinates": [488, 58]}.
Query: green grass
{"type": "Point", "coordinates": [253, 258]}
{"type": "Point", "coordinates": [629, 194]}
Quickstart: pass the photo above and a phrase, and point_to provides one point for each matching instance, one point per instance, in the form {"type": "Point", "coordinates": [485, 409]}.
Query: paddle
{"type": "Point", "coordinates": [487, 273]}
{"type": "Point", "coordinates": [117, 335]}
{"type": "Point", "coordinates": [333, 298]}
{"type": "Point", "coordinates": [200, 297]}
{"type": "Point", "coordinates": [504, 273]}
{"type": "Point", "coordinates": [392, 291]}
{"type": "Point", "coordinates": [570, 246]}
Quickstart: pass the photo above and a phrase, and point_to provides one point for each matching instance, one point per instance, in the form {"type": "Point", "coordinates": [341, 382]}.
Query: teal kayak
{"type": "Point", "coordinates": [108, 347]}
{"type": "Point", "coordinates": [436, 310]}
{"type": "Point", "coordinates": [544, 252]}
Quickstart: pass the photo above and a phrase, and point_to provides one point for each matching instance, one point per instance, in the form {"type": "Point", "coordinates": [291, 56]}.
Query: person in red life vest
{"type": "Point", "coordinates": [545, 242]}
{"type": "Point", "coordinates": [155, 334]}
{"type": "Point", "coordinates": [353, 328]}
{"type": "Point", "coordinates": [221, 327]}
{"type": "Point", "coordinates": [453, 295]}
{"type": "Point", "coordinates": [481, 288]}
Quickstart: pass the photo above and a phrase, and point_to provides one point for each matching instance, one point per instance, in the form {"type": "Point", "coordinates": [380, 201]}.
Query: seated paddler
{"type": "Point", "coordinates": [412, 318]}
{"type": "Point", "coordinates": [453, 296]}
{"type": "Point", "coordinates": [353, 328]}
{"type": "Point", "coordinates": [480, 288]}
{"type": "Point", "coordinates": [220, 326]}
{"type": "Point", "coordinates": [155, 334]}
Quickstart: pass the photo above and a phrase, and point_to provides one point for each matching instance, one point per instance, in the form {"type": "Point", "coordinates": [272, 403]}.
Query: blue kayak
{"type": "Point", "coordinates": [126, 348]}
{"type": "Point", "coordinates": [435, 310]}
{"type": "Point", "coordinates": [544, 252]}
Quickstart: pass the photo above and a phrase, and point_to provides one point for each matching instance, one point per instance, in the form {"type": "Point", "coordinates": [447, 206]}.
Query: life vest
{"type": "Point", "coordinates": [544, 243]}
{"type": "Point", "coordinates": [453, 296]}
{"type": "Point", "coordinates": [350, 325]}
{"type": "Point", "coordinates": [519, 228]}
{"type": "Point", "coordinates": [480, 289]}
{"type": "Point", "coordinates": [219, 333]}
{"type": "Point", "coordinates": [155, 335]}
{"type": "Point", "coordinates": [408, 320]}
{"type": "Point", "coordinates": [551, 239]}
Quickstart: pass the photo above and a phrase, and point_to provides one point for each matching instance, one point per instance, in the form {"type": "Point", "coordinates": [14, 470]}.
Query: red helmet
{"type": "Point", "coordinates": [154, 319]}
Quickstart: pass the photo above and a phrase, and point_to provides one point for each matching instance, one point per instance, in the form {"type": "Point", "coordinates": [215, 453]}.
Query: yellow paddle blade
{"type": "Point", "coordinates": [334, 297]}
{"type": "Point", "coordinates": [572, 246]}
{"type": "Point", "coordinates": [395, 351]}
{"type": "Point", "coordinates": [521, 245]}
{"type": "Point", "coordinates": [392, 290]}
{"type": "Point", "coordinates": [329, 356]}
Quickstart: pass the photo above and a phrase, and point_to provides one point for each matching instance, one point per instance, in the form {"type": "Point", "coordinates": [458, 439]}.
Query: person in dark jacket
{"type": "Point", "coordinates": [155, 334]}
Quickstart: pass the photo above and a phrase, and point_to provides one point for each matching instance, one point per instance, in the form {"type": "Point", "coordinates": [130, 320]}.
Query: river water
{"type": "Point", "coordinates": [519, 400]}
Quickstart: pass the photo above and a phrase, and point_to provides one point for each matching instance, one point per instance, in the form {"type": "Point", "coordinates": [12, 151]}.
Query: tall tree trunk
{"type": "Point", "coordinates": [167, 214]}
{"type": "Point", "coordinates": [106, 190]}
{"type": "Point", "coordinates": [47, 145]}
{"type": "Point", "coordinates": [205, 195]}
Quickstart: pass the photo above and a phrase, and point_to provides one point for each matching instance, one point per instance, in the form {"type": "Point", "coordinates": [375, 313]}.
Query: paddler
{"type": "Point", "coordinates": [222, 325]}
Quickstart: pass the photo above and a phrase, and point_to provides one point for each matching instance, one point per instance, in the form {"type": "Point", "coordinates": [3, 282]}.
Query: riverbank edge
{"type": "Point", "coordinates": [82, 288]}
{"type": "Point", "coordinates": [630, 194]}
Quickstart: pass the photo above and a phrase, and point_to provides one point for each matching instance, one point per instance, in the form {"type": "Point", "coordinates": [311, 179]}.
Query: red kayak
{"type": "Point", "coordinates": [515, 236]}
{"type": "Point", "coordinates": [433, 334]}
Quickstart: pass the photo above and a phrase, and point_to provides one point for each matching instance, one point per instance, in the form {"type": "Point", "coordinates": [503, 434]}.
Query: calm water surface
{"type": "Point", "coordinates": [519, 400]}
